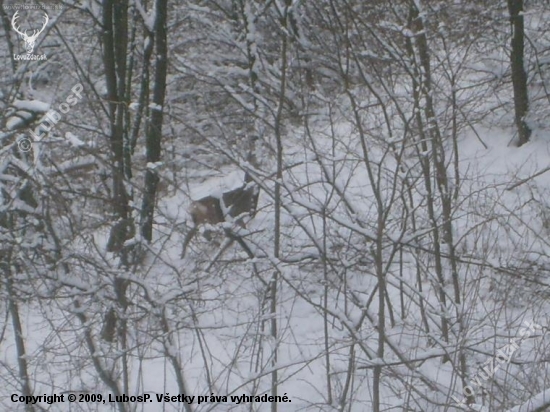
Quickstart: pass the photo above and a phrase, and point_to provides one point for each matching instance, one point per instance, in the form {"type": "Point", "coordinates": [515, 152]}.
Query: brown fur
{"type": "Point", "coordinates": [238, 202]}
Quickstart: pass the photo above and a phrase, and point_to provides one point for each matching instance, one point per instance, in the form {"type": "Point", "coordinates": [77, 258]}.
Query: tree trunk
{"type": "Point", "coordinates": [114, 63]}
{"type": "Point", "coordinates": [519, 77]}
{"type": "Point", "coordinates": [154, 131]}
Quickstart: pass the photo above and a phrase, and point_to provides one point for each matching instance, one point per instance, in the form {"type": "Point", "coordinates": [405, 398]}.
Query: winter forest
{"type": "Point", "coordinates": [274, 205]}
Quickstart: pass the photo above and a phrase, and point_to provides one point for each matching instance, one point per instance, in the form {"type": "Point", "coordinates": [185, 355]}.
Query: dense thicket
{"type": "Point", "coordinates": [398, 255]}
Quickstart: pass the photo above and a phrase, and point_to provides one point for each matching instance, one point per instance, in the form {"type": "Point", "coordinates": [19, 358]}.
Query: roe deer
{"type": "Point", "coordinates": [236, 203]}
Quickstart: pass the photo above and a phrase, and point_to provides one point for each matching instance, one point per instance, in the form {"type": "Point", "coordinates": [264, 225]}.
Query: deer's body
{"type": "Point", "coordinates": [233, 204]}
{"type": "Point", "coordinates": [206, 210]}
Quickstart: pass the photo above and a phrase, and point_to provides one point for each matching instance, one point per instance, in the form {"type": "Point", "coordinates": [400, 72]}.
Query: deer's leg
{"type": "Point", "coordinates": [187, 239]}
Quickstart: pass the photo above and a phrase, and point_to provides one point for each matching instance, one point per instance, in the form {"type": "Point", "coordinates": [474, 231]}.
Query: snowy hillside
{"type": "Point", "coordinates": [275, 206]}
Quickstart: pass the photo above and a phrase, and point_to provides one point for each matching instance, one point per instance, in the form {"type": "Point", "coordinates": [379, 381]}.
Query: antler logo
{"type": "Point", "coordinates": [29, 40]}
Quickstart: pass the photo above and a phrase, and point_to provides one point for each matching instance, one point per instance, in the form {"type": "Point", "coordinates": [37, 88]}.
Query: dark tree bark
{"type": "Point", "coordinates": [154, 130]}
{"type": "Point", "coordinates": [13, 308]}
{"type": "Point", "coordinates": [115, 53]}
{"type": "Point", "coordinates": [115, 32]}
{"type": "Point", "coordinates": [519, 77]}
